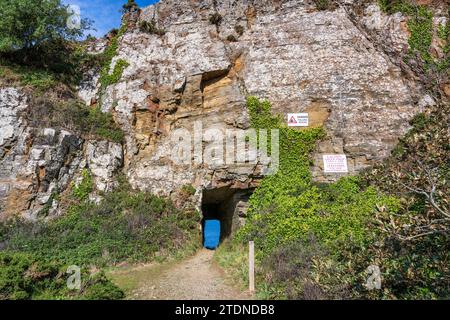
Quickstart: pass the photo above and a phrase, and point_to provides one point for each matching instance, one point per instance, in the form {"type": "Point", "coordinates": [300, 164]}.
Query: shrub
{"type": "Point", "coordinates": [231, 38]}
{"type": "Point", "coordinates": [84, 188]}
{"type": "Point", "coordinates": [125, 226]}
{"type": "Point", "coordinates": [130, 6]}
{"type": "Point", "coordinates": [37, 43]}
{"type": "Point", "coordinates": [215, 19]}
{"type": "Point", "coordinates": [151, 28]}
{"type": "Point", "coordinates": [188, 189]}
{"type": "Point", "coordinates": [106, 78]}
{"type": "Point", "coordinates": [24, 276]}
{"type": "Point", "coordinates": [432, 70]}
{"type": "Point", "coordinates": [350, 221]}
{"type": "Point", "coordinates": [239, 30]}
{"type": "Point", "coordinates": [49, 110]}
{"type": "Point", "coordinates": [29, 24]}
{"type": "Point", "coordinates": [415, 251]}
{"type": "Point", "coordinates": [322, 4]}
{"type": "Point", "coordinates": [289, 271]}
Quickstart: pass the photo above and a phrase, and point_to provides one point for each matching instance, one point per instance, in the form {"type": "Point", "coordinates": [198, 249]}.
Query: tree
{"type": "Point", "coordinates": [28, 24]}
{"type": "Point", "coordinates": [130, 6]}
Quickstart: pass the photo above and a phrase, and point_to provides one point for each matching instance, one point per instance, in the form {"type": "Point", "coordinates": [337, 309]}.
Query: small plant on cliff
{"type": "Point", "coordinates": [130, 6]}
{"type": "Point", "coordinates": [239, 29]}
{"type": "Point", "coordinates": [215, 19]}
{"type": "Point", "coordinates": [125, 226]}
{"type": "Point", "coordinates": [151, 28]}
{"type": "Point", "coordinates": [188, 190]}
{"type": "Point", "coordinates": [322, 4]}
{"type": "Point", "coordinates": [49, 111]}
{"type": "Point", "coordinates": [82, 191]}
{"type": "Point", "coordinates": [107, 78]}
{"type": "Point", "coordinates": [24, 276]}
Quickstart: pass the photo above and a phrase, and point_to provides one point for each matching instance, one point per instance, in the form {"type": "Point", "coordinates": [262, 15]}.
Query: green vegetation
{"type": "Point", "coordinates": [32, 24]}
{"type": "Point", "coordinates": [215, 19]}
{"type": "Point", "coordinates": [239, 29]}
{"type": "Point", "coordinates": [322, 4]}
{"type": "Point", "coordinates": [124, 227]}
{"type": "Point", "coordinates": [107, 78]}
{"type": "Point", "coordinates": [231, 38]}
{"type": "Point", "coordinates": [85, 187]}
{"type": "Point", "coordinates": [418, 173]}
{"type": "Point", "coordinates": [130, 6]}
{"type": "Point", "coordinates": [420, 25]}
{"type": "Point", "coordinates": [42, 55]}
{"type": "Point", "coordinates": [316, 241]}
{"type": "Point", "coordinates": [188, 189]}
{"type": "Point", "coordinates": [23, 276]}
{"type": "Point", "coordinates": [37, 44]}
{"type": "Point", "coordinates": [421, 28]}
{"type": "Point", "coordinates": [38, 79]}
{"type": "Point", "coordinates": [47, 110]}
{"type": "Point", "coordinates": [151, 28]}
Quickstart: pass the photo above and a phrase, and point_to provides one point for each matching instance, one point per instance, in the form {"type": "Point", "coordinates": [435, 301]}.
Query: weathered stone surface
{"type": "Point", "coordinates": [327, 63]}
{"type": "Point", "coordinates": [12, 103]}
{"type": "Point", "coordinates": [35, 163]}
{"type": "Point", "coordinates": [301, 59]}
{"type": "Point", "coordinates": [104, 159]}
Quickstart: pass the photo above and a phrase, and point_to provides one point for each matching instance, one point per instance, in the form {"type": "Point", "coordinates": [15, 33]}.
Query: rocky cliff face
{"type": "Point", "coordinates": [204, 60]}
{"type": "Point", "coordinates": [301, 59]}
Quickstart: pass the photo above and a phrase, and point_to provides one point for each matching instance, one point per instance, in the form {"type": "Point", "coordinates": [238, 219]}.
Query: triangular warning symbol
{"type": "Point", "coordinates": [292, 120]}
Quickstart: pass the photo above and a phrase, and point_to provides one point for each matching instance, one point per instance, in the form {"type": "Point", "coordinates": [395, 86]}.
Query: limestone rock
{"type": "Point", "coordinates": [190, 83]}
{"type": "Point", "coordinates": [301, 59]}
{"type": "Point", "coordinates": [104, 160]}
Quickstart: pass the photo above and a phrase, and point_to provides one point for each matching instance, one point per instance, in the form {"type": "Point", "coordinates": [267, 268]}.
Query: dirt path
{"type": "Point", "coordinates": [192, 279]}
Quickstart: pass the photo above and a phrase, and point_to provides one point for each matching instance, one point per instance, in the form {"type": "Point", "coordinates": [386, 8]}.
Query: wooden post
{"type": "Point", "coordinates": [251, 266]}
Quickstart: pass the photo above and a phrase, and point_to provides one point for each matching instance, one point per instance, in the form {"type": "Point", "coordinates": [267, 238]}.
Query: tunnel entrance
{"type": "Point", "coordinates": [226, 205]}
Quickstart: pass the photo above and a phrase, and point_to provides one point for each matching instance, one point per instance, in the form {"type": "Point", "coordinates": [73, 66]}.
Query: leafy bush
{"type": "Point", "coordinates": [288, 271]}
{"type": "Point", "coordinates": [416, 245]}
{"type": "Point", "coordinates": [125, 226]}
{"type": "Point", "coordinates": [107, 78]}
{"type": "Point", "coordinates": [353, 225]}
{"type": "Point", "coordinates": [322, 4]}
{"type": "Point", "coordinates": [131, 5]}
{"type": "Point", "coordinates": [231, 38]}
{"type": "Point", "coordinates": [37, 44]}
{"type": "Point", "coordinates": [30, 24]}
{"type": "Point", "coordinates": [151, 28]}
{"type": "Point", "coordinates": [188, 190]}
{"type": "Point", "coordinates": [84, 188]}
{"type": "Point", "coordinates": [24, 276]}
{"type": "Point", "coordinates": [239, 29]}
{"type": "Point", "coordinates": [433, 70]}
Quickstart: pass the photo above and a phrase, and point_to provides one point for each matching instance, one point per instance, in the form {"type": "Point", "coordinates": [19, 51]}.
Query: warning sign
{"type": "Point", "coordinates": [336, 163]}
{"type": "Point", "coordinates": [298, 120]}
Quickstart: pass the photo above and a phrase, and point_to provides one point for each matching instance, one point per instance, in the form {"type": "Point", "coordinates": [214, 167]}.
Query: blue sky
{"type": "Point", "coordinates": [105, 13]}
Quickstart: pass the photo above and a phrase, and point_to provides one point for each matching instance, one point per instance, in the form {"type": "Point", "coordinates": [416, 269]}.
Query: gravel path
{"type": "Point", "coordinates": [196, 278]}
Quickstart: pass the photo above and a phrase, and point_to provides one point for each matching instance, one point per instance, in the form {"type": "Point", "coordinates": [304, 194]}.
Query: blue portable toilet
{"type": "Point", "coordinates": [211, 234]}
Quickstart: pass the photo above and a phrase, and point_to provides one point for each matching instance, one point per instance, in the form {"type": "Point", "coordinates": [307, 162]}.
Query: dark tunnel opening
{"type": "Point", "coordinates": [224, 204]}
